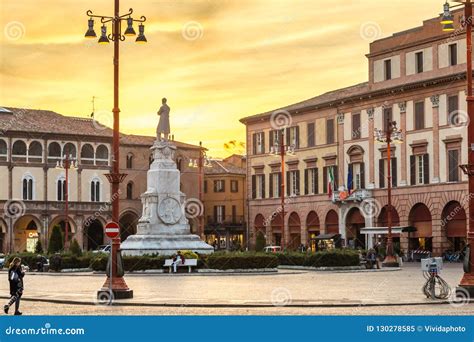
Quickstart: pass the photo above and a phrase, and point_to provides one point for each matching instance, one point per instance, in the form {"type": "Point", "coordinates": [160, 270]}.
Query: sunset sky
{"type": "Point", "coordinates": [215, 60]}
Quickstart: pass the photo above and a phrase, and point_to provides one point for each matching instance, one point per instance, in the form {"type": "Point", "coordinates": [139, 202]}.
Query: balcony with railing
{"type": "Point", "coordinates": [236, 221]}
{"type": "Point", "coordinates": [357, 195]}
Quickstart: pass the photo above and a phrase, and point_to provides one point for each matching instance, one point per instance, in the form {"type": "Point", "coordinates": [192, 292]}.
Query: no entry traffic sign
{"type": "Point", "coordinates": [112, 229]}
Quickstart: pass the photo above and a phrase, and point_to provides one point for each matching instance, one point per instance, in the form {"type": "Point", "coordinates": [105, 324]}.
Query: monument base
{"type": "Point", "coordinates": [164, 244]}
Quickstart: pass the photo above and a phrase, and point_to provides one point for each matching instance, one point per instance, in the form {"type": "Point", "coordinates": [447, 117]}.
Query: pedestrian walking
{"type": "Point", "coordinates": [15, 278]}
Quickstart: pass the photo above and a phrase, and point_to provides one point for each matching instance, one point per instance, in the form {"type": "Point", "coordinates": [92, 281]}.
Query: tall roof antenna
{"type": "Point", "coordinates": [93, 107]}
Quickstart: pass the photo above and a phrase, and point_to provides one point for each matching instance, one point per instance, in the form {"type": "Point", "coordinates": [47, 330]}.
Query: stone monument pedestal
{"type": "Point", "coordinates": [163, 228]}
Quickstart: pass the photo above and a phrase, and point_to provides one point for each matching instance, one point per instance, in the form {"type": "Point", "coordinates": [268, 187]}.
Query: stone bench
{"type": "Point", "coordinates": [187, 263]}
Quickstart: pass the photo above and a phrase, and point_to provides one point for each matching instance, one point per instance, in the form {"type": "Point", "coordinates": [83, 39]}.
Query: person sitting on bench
{"type": "Point", "coordinates": [177, 260]}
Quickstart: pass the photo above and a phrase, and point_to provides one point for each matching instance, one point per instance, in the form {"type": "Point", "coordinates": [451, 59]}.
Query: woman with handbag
{"type": "Point", "coordinates": [15, 277]}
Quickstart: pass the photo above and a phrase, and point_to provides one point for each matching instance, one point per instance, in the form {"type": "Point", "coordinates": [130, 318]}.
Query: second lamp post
{"type": "Point", "coordinates": [387, 136]}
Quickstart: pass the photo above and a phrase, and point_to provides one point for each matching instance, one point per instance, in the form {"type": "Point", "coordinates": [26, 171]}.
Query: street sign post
{"type": "Point", "coordinates": [112, 229]}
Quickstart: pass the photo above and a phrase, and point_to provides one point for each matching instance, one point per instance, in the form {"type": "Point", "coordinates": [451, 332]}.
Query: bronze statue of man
{"type": "Point", "coordinates": [164, 123]}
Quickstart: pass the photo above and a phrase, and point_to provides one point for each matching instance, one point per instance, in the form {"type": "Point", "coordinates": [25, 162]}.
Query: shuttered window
{"type": "Point", "coordinates": [330, 131]}
{"type": "Point", "coordinates": [311, 182]}
{"type": "Point", "coordinates": [453, 54]}
{"type": "Point", "coordinates": [356, 126]}
{"type": "Point", "coordinates": [311, 134]}
{"type": "Point", "coordinates": [419, 115]}
{"type": "Point", "coordinates": [453, 165]}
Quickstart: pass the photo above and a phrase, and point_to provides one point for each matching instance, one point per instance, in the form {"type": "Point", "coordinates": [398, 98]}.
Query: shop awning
{"type": "Point", "coordinates": [327, 236]}
{"type": "Point", "coordinates": [384, 230]}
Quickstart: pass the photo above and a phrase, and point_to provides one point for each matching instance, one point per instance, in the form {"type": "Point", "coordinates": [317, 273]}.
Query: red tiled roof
{"type": "Point", "coordinates": [46, 121]}
{"type": "Point", "coordinates": [315, 101]}
{"type": "Point", "coordinates": [218, 167]}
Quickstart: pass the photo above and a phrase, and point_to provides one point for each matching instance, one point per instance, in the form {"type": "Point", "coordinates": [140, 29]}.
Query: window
{"type": "Point", "coordinates": [387, 116]}
{"type": "Point", "coordinates": [275, 138]}
{"type": "Point", "coordinates": [234, 186]}
{"type": "Point", "coordinates": [453, 110]}
{"type": "Point", "coordinates": [54, 152]}
{"type": "Point", "coordinates": [293, 178]}
{"type": "Point", "coordinates": [19, 151]}
{"type": "Point", "coordinates": [328, 180]}
{"type": "Point", "coordinates": [419, 62]}
{"type": "Point", "coordinates": [358, 175]}
{"type": "Point", "coordinates": [356, 126]}
{"type": "Point", "coordinates": [387, 69]}
{"type": "Point", "coordinates": [258, 143]}
{"type": "Point", "coordinates": [28, 188]}
{"type": "Point", "coordinates": [102, 155]}
{"type": "Point", "coordinates": [453, 54]}
{"type": "Point", "coordinates": [293, 136]}
{"type": "Point", "coordinates": [258, 186]}
{"type": "Point", "coordinates": [311, 186]}
{"type": "Point", "coordinates": [453, 165]}
{"type": "Point", "coordinates": [419, 115]}
{"type": "Point", "coordinates": [70, 150]}
{"type": "Point", "coordinates": [330, 131]}
{"type": "Point", "coordinates": [3, 150]}
{"type": "Point", "coordinates": [130, 190]}
{"type": "Point", "coordinates": [383, 172]}
{"type": "Point", "coordinates": [234, 214]}
{"type": "Point", "coordinates": [130, 161]}
{"type": "Point", "coordinates": [311, 136]}
{"type": "Point", "coordinates": [275, 184]}
{"type": "Point", "coordinates": [95, 190]}
{"type": "Point", "coordinates": [87, 154]}
{"type": "Point", "coordinates": [35, 152]}
{"type": "Point", "coordinates": [205, 186]}
{"type": "Point", "coordinates": [219, 213]}
{"type": "Point", "coordinates": [219, 185]}
{"type": "Point", "coordinates": [61, 189]}
{"type": "Point", "coordinates": [419, 169]}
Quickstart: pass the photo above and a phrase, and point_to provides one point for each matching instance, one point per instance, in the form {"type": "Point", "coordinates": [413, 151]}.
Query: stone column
{"type": "Point", "coordinates": [79, 184]}
{"type": "Point", "coordinates": [404, 222]}
{"type": "Point", "coordinates": [340, 148]}
{"type": "Point", "coordinates": [79, 234]}
{"type": "Point", "coordinates": [435, 102]}
{"type": "Point", "coordinates": [342, 223]}
{"type": "Point", "coordinates": [370, 115]}
{"type": "Point", "coordinates": [403, 146]}
{"type": "Point", "coordinates": [304, 232]}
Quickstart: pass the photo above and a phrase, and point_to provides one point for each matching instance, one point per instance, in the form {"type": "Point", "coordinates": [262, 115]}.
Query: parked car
{"type": "Point", "coordinates": [272, 249]}
{"type": "Point", "coordinates": [103, 249]}
{"type": "Point", "coordinates": [2, 260]}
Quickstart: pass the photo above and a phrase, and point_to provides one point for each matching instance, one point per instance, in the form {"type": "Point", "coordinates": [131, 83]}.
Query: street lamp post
{"type": "Point", "coordinates": [281, 149]}
{"type": "Point", "coordinates": [116, 284]}
{"type": "Point", "coordinates": [467, 281]}
{"type": "Point", "coordinates": [67, 162]}
{"type": "Point", "coordinates": [387, 136]}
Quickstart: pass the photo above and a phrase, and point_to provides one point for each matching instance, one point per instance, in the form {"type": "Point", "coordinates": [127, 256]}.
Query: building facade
{"type": "Point", "coordinates": [225, 203]}
{"type": "Point", "coordinates": [416, 78]}
{"type": "Point", "coordinates": [32, 196]}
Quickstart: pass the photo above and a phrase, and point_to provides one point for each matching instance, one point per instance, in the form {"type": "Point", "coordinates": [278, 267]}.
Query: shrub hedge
{"type": "Point", "coordinates": [248, 260]}
{"type": "Point", "coordinates": [219, 260]}
{"type": "Point", "coordinates": [28, 259]}
{"type": "Point", "coordinates": [333, 258]}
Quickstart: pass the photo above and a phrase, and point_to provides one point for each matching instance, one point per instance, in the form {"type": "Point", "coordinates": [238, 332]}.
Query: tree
{"type": "Point", "coordinates": [75, 249]}
{"type": "Point", "coordinates": [260, 242]}
{"type": "Point", "coordinates": [55, 240]}
{"type": "Point", "coordinates": [38, 247]}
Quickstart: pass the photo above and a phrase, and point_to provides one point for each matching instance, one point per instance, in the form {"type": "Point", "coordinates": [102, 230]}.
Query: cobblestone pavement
{"type": "Point", "coordinates": [40, 308]}
{"type": "Point", "coordinates": [286, 287]}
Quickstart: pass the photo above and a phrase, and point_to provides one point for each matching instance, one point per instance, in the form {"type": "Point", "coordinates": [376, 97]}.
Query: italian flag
{"type": "Point", "coordinates": [330, 181]}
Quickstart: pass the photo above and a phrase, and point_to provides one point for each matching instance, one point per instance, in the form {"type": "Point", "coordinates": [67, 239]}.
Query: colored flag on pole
{"type": "Point", "coordinates": [349, 179]}
{"type": "Point", "coordinates": [331, 181]}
